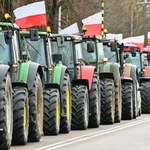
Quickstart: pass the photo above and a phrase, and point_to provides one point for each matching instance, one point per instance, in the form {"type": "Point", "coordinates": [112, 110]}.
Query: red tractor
{"type": "Point", "coordinates": [66, 49]}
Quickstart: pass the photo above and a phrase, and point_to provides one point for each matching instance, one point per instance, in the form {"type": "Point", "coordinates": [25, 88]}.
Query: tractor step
{"type": "Point", "coordinates": [1, 129]}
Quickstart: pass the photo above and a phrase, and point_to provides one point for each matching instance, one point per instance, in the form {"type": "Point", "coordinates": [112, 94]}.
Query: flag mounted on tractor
{"type": "Point", "coordinates": [31, 15]}
{"type": "Point", "coordinates": [93, 24]}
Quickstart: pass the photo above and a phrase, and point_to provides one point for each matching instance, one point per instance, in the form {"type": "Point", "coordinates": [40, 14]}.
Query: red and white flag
{"type": "Point", "coordinates": [31, 15]}
{"type": "Point", "coordinates": [72, 29]}
{"type": "Point", "coordinates": [136, 41]}
{"type": "Point", "coordinates": [148, 38]}
{"type": "Point", "coordinates": [111, 36]}
{"type": "Point", "coordinates": [93, 24]}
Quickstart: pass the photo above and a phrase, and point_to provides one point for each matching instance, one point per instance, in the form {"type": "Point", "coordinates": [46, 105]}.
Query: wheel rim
{"type": "Point", "coordinates": [57, 114]}
{"type": "Point", "coordinates": [39, 104]}
{"type": "Point", "coordinates": [68, 103]}
{"type": "Point", "coordinates": [86, 110]}
{"type": "Point", "coordinates": [25, 116]}
{"type": "Point", "coordinates": [8, 111]}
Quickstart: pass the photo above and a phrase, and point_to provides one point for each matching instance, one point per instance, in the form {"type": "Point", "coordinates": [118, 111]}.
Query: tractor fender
{"type": "Point", "coordinates": [106, 75]}
{"type": "Point", "coordinates": [33, 69]}
{"type": "Point", "coordinates": [114, 68]}
{"type": "Point", "coordinates": [126, 79]}
{"type": "Point", "coordinates": [133, 73]}
{"type": "Point", "coordinates": [144, 79]}
{"type": "Point", "coordinates": [87, 73]}
{"type": "Point", "coordinates": [58, 74]}
{"type": "Point", "coordinates": [80, 82]}
{"type": "Point", "coordinates": [20, 84]}
{"type": "Point", "coordinates": [3, 71]}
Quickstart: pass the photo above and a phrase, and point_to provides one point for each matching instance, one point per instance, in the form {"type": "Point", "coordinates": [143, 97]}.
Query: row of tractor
{"type": "Point", "coordinates": [52, 83]}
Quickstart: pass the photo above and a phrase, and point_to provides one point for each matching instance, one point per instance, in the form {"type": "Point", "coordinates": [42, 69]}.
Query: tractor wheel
{"type": "Point", "coordinates": [36, 111]}
{"type": "Point", "coordinates": [65, 121]}
{"type": "Point", "coordinates": [51, 125]}
{"type": "Point", "coordinates": [145, 95]}
{"type": "Point", "coordinates": [20, 115]}
{"type": "Point", "coordinates": [94, 103]}
{"type": "Point", "coordinates": [107, 101]}
{"type": "Point", "coordinates": [6, 111]}
{"type": "Point", "coordinates": [135, 101]}
{"type": "Point", "coordinates": [127, 101]}
{"type": "Point", "coordinates": [80, 107]}
{"type": "Point", "coordinates": [118, 102]}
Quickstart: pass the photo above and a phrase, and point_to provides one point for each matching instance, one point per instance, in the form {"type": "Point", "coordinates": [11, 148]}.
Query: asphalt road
{"type": "Point", "coordinates": [127, 135]}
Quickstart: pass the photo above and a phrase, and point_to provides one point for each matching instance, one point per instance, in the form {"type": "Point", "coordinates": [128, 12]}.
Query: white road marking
{"type": "Point", "coordinates": [91, 135]}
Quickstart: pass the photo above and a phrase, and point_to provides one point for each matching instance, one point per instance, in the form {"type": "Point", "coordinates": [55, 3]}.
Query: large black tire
{"type": "Point", "coordinates": [118, 97]}
{"type": "Point", "coordinates": [80, 107]}
{"type": "Point", "coordinates": [118, 102]}
{"type": "Point", "coordinates": [51, 125]}
{"type": "Point", "coordinates": [135, 102]}
{"type": "Point", "coordinates": [6, 111]}
{"type": "Point", "coordinates": [20, 115]}
{"type": "Point", "coordinates": [94, 103]}
{"type": "Point", "coordinates": [107, 101]}
{"type": "Point", "coordinates": [127, 101]}
{"type": "Point", "coordinates": [65, 122]}
{"type": "Point", "coordinates": [145, 96]}
{"type": "Point", "coordinates": [36, 111]}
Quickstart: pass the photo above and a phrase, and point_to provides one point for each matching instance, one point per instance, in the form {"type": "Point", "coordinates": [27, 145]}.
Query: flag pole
{"type": "Point", "coordinates": [59, 18]}
{"type": "Point", "coordinates": [102, 11]}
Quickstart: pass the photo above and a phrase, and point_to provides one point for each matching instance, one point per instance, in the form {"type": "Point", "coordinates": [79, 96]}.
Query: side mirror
{"type": "Point", "coordinates": [133, 52]}
{"type": "Point", "coordinates": [90, 47]}
{"type": "Point", "coordinates": [113, 46]}
{"type": "Point", "coordinates": [34, 34]}
{"type": "Point", "coordinates": [148, 57]}
{"type": "Point", "coordinates": [56, 58]}
{"type": "Point", "coordinates": [8, 35]}
{"type": "Point", "coordinates": [60, 41]}
{"type": "Point", "coordinates": [125, 56]}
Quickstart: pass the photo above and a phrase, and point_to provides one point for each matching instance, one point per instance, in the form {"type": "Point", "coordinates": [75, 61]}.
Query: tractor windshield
{"type": "Point", "coordinates": [4, 50]}
{"type": "Point", "coordinates": [66, 51]}
{"type": "Point", "coordinates": [133, 59]}
{"type": "Point", "coordinates": [36, 50]}
{"type": "Point", "coordinates": [89, 57]}
{"type": "Point", "coordinates": [109, 54]}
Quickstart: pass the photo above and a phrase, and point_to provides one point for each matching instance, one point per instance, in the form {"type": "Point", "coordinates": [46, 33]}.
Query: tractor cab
{"type": "Point", "coordinates": [69, 47]}
{"type": "Point", "coordinates": [132, 55]}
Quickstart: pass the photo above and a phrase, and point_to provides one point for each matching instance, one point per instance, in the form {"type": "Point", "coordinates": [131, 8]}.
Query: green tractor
{"type": "Point", "coordinates": [84, 81]}
{"type": "Point", "coordinates": [56, 83]}
{"type": "Point", "coordinates": [27, 88]}
{"type": "Point", "coordinates": [110, 81]}
{"type": "Point", "coordinates": [131, 101]}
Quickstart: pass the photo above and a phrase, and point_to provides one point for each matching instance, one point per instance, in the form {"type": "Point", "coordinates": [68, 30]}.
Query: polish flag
{"type": "Point", "coordinates": [31, 15]}
{"type": "Point", "coordinates": [93, 24]}
{"type": "Point", "coordinates": [148, 38]}
{"type": "Point", "coordinates": [137, 41]}
{"type": "Point", "coordinates": [111, 36]}
{"type": "Point", "coordinates": [72, 29]}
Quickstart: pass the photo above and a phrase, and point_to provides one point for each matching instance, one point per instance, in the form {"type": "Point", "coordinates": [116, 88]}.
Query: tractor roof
{"type": "Point", "coordinates": [8, 25]}
{"type": "Point", "coordinates": [72, 37]}
{"type": "Point", "coordinates": [146, 50]}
